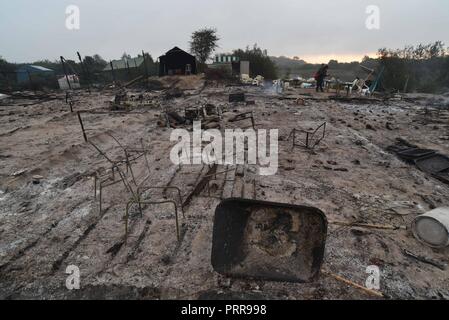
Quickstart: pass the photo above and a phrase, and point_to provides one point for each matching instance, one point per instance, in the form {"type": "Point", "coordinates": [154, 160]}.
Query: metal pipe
{"type": "Point", "coordinates": [146, 67]}
{"type": "Point", "coordinates": [112, 70]}
{"type": "Point", "coordinates": [65, 72]}
{"type": "Point", "coordinates": [82, 126]}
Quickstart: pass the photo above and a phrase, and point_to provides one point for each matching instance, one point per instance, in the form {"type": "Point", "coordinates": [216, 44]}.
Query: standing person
{"type": "Point", "coordinates": [320, 76]}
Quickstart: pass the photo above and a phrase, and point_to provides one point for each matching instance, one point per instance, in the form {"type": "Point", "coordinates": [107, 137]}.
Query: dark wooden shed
{"type": "Point", "coordinates": [177, 62]}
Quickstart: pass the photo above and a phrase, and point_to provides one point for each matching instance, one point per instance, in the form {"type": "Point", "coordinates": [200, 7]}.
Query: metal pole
{"type": "Point", "coordinates": [146, 67]}
{"type": "Point", "coordinates": [65, 72]}
{"type": "Point", "coordinates": [7, 80]}
{"type": "Point", "coordinates": [112, 70]}
{"type": "Point", "coordinates": [135, 66]}
{"type": "Point", "coordinates": [68, 100]}
{"type": "Point", "coordinates": [86, 73]}
{"type": "Point", "coordinates": [31, 81]}
{"type": "Point", "coordinates": [82, 127]}
{"type": "Point", "coordinates": [129, 71]}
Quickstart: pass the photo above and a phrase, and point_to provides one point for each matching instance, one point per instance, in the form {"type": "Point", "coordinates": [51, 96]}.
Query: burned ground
{"type": "Point", "coordinates": [350, 176]}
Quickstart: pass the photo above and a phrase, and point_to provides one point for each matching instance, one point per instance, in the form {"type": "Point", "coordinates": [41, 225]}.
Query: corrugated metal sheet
{"type": "Point", "coordinates": [33, 68]}
{"type": "Point", "coordinates": [39, 68]}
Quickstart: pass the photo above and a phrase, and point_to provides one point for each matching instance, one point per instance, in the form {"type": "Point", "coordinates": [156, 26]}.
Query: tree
{"type": "Point", "coordinates": [94, 66]}
{"type": "Point", "coordinates": [203, 43]}
{"type": "Point", "coordinates": [6, 74]}
{"type": "Point", "coordinates": [259, 62]}
{"type": "Point", "coordinates": [126, 56]}
{"type": "Point", "coordinates": [288, 73]}
{"type": "Point", "coordinates": [436, 50]}
{"type": "Point", "coordinates": [333, 63]}
{"type": "Point", "coordinates": [95, 63]}
{"type": "Point", "coordinates": [424, 68]}
{"type": "Point", "coordinates": [5, 66]}
{"type": "Point", "coordinates": [99, 60]}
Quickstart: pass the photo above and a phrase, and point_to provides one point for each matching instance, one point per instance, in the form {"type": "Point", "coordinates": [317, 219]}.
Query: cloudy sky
{"type": "Point", "coordinates": [312, 30]}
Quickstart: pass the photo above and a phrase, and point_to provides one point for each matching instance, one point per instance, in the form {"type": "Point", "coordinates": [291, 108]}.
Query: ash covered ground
{"type": "Point", "coordinates": [349, 175]}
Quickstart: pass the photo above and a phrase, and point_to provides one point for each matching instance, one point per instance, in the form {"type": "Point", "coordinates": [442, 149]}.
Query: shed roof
{"type": "Point", "coordinates": [176, 50]}
{"type": "Point", "coordinates": [33, 68]}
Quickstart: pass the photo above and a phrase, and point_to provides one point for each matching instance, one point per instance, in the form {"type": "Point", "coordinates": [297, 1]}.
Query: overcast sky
{"type": "Point", "coordinates": [313, 30]}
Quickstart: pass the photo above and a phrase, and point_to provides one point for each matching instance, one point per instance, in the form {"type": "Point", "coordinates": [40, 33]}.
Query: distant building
{"type": "Point", "coordinates": [244, 67]}
{"type": "Point", "coordinates": [225, 58]}
{"type": "Point", "coordinates": [73, 80]}
{"type": "Point", "coordinates": [31, 74]}
{"type": "Point", "coordinates": [231, 63]}
{"type": "Point", "coordinates": [177, 62]}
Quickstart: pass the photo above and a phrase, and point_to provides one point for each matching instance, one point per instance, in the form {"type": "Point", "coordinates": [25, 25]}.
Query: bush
{"type": "Point", "coordinates": [424, 68]}
{"type": "Point", "coordinates": [259, 62]}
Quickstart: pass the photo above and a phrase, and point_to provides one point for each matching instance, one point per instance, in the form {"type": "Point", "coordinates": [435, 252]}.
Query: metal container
{"type": "Point", "coordinates": [432, 228]}
{"type": "Point", "coordinates": [433, 163]}
{"type": "Point", "coordinates": [269, 241]}
{"type": "Point", "coordinates": [415, 153]}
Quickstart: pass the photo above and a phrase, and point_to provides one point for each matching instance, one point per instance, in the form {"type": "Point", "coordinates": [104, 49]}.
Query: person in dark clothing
{"type": "Point", "coordinates": [320, 76]}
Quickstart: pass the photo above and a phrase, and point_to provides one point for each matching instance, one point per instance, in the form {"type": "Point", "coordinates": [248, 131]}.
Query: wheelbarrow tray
{"type": "Point", "coordinates": [433, 164]}
{"type": "Point", "coordinates": [415, 153]}
{"type": "Point", "coordinates": [269, 241]}
{"type": "Point", "coordinates": [443, 176]}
